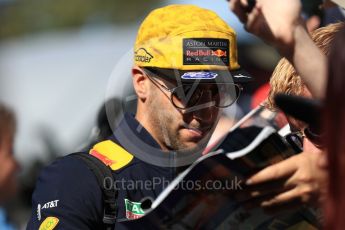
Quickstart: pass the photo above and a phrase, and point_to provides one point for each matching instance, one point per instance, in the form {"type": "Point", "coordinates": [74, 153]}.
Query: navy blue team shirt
{"type": "Point", "coordinates": [68, 191]}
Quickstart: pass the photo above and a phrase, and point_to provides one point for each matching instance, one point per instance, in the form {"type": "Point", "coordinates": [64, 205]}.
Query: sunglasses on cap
{"type": "Point", "coordinates": [187, 95]}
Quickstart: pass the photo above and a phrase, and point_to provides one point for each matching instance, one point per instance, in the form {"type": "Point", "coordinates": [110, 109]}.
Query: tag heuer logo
{"type": "Point", "coordinates": [133, 209]}
{"type": "Point", "coordinates": [141, 55]}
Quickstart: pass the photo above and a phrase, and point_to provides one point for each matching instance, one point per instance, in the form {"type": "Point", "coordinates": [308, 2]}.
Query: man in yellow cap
{"type": "Point", "coordinates": [184, 72]}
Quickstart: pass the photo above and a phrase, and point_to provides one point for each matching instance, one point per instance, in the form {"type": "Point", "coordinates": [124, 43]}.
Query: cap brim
{"type": "Point", "coordinates": [210, 76]}
{"type": "Point", "coordinates": [302, 108]}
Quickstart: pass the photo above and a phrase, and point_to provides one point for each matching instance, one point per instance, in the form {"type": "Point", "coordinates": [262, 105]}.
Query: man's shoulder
{"type": "Point", "coordinates": [67, 171]}
{"type": "Point", "coordinates": [68, 191]}
{"type": "Point", "coordinates": [65, 165]}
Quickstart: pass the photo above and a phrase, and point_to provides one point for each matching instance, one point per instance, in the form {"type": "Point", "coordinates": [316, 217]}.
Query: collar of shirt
{"type": "Point", "coordinates": [129, 126]}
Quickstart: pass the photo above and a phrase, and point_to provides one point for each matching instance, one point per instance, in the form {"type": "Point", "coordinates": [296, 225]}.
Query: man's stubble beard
{"type": "Point", "coordinates": [161, 119]}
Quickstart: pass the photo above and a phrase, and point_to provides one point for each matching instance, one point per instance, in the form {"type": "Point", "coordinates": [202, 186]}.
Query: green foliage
{"type": "Point", "coordinates": [26, 16]}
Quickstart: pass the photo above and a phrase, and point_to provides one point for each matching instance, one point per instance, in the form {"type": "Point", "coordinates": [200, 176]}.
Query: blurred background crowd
{"type": "Point", "coordinates": [61, 60]}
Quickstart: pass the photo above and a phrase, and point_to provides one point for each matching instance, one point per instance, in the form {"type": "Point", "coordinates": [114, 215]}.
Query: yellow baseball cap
{"type": "Point", "coordinates": [191, 42]}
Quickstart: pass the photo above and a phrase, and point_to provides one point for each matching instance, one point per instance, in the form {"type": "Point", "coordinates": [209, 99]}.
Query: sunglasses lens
{"type": "Point", "coordinates": [227, 94]}
{"type": "Point", "coordinates": [315, 138]}
{"type": "Point", "coordinates": [222, 95]}
{"type": "Point", "coordinates": [295, 140]}
{"type": "Point", "coordinates": [186, 96]}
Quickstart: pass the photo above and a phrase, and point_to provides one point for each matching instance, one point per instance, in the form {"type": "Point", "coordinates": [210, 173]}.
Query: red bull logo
{"type": "Point", "coordinates": [206, 51]}
{"type": "Point", "coordinates": [219, 53]}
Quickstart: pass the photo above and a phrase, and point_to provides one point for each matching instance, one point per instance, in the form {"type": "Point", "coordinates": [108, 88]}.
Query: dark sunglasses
{"type": "Point", "coordinates": [187, 95]}
{"type": "Point", "coordinates": [295, 139]}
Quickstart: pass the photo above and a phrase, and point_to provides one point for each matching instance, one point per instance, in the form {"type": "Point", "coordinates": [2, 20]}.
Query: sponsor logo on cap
{"type": "Point", "coordinates": [219, 53]}
{"type": "Point", "coordinates": [199, 75]}
{"type": "Point", "coordinates": [205, 51]}
{"type": "Point", "coordinates": [141, 55]}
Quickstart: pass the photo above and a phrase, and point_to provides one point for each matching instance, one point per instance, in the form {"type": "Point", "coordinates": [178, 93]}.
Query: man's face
{"type": "Point", "coordinates": [177, 129]}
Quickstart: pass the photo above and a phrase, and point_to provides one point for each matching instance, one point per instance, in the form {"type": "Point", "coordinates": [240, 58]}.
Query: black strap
{"type": "Point", "coordinates": [105, 180]}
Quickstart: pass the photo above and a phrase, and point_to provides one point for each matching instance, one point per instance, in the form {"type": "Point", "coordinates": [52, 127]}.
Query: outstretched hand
{"type": "Point", "coordinates": [288, 184]}
{"type": "Point", "coordinates": [273, 21]}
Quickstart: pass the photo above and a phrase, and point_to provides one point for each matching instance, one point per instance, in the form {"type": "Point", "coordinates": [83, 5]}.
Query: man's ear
{"type": "Point", "coordinates": [140, 82]}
